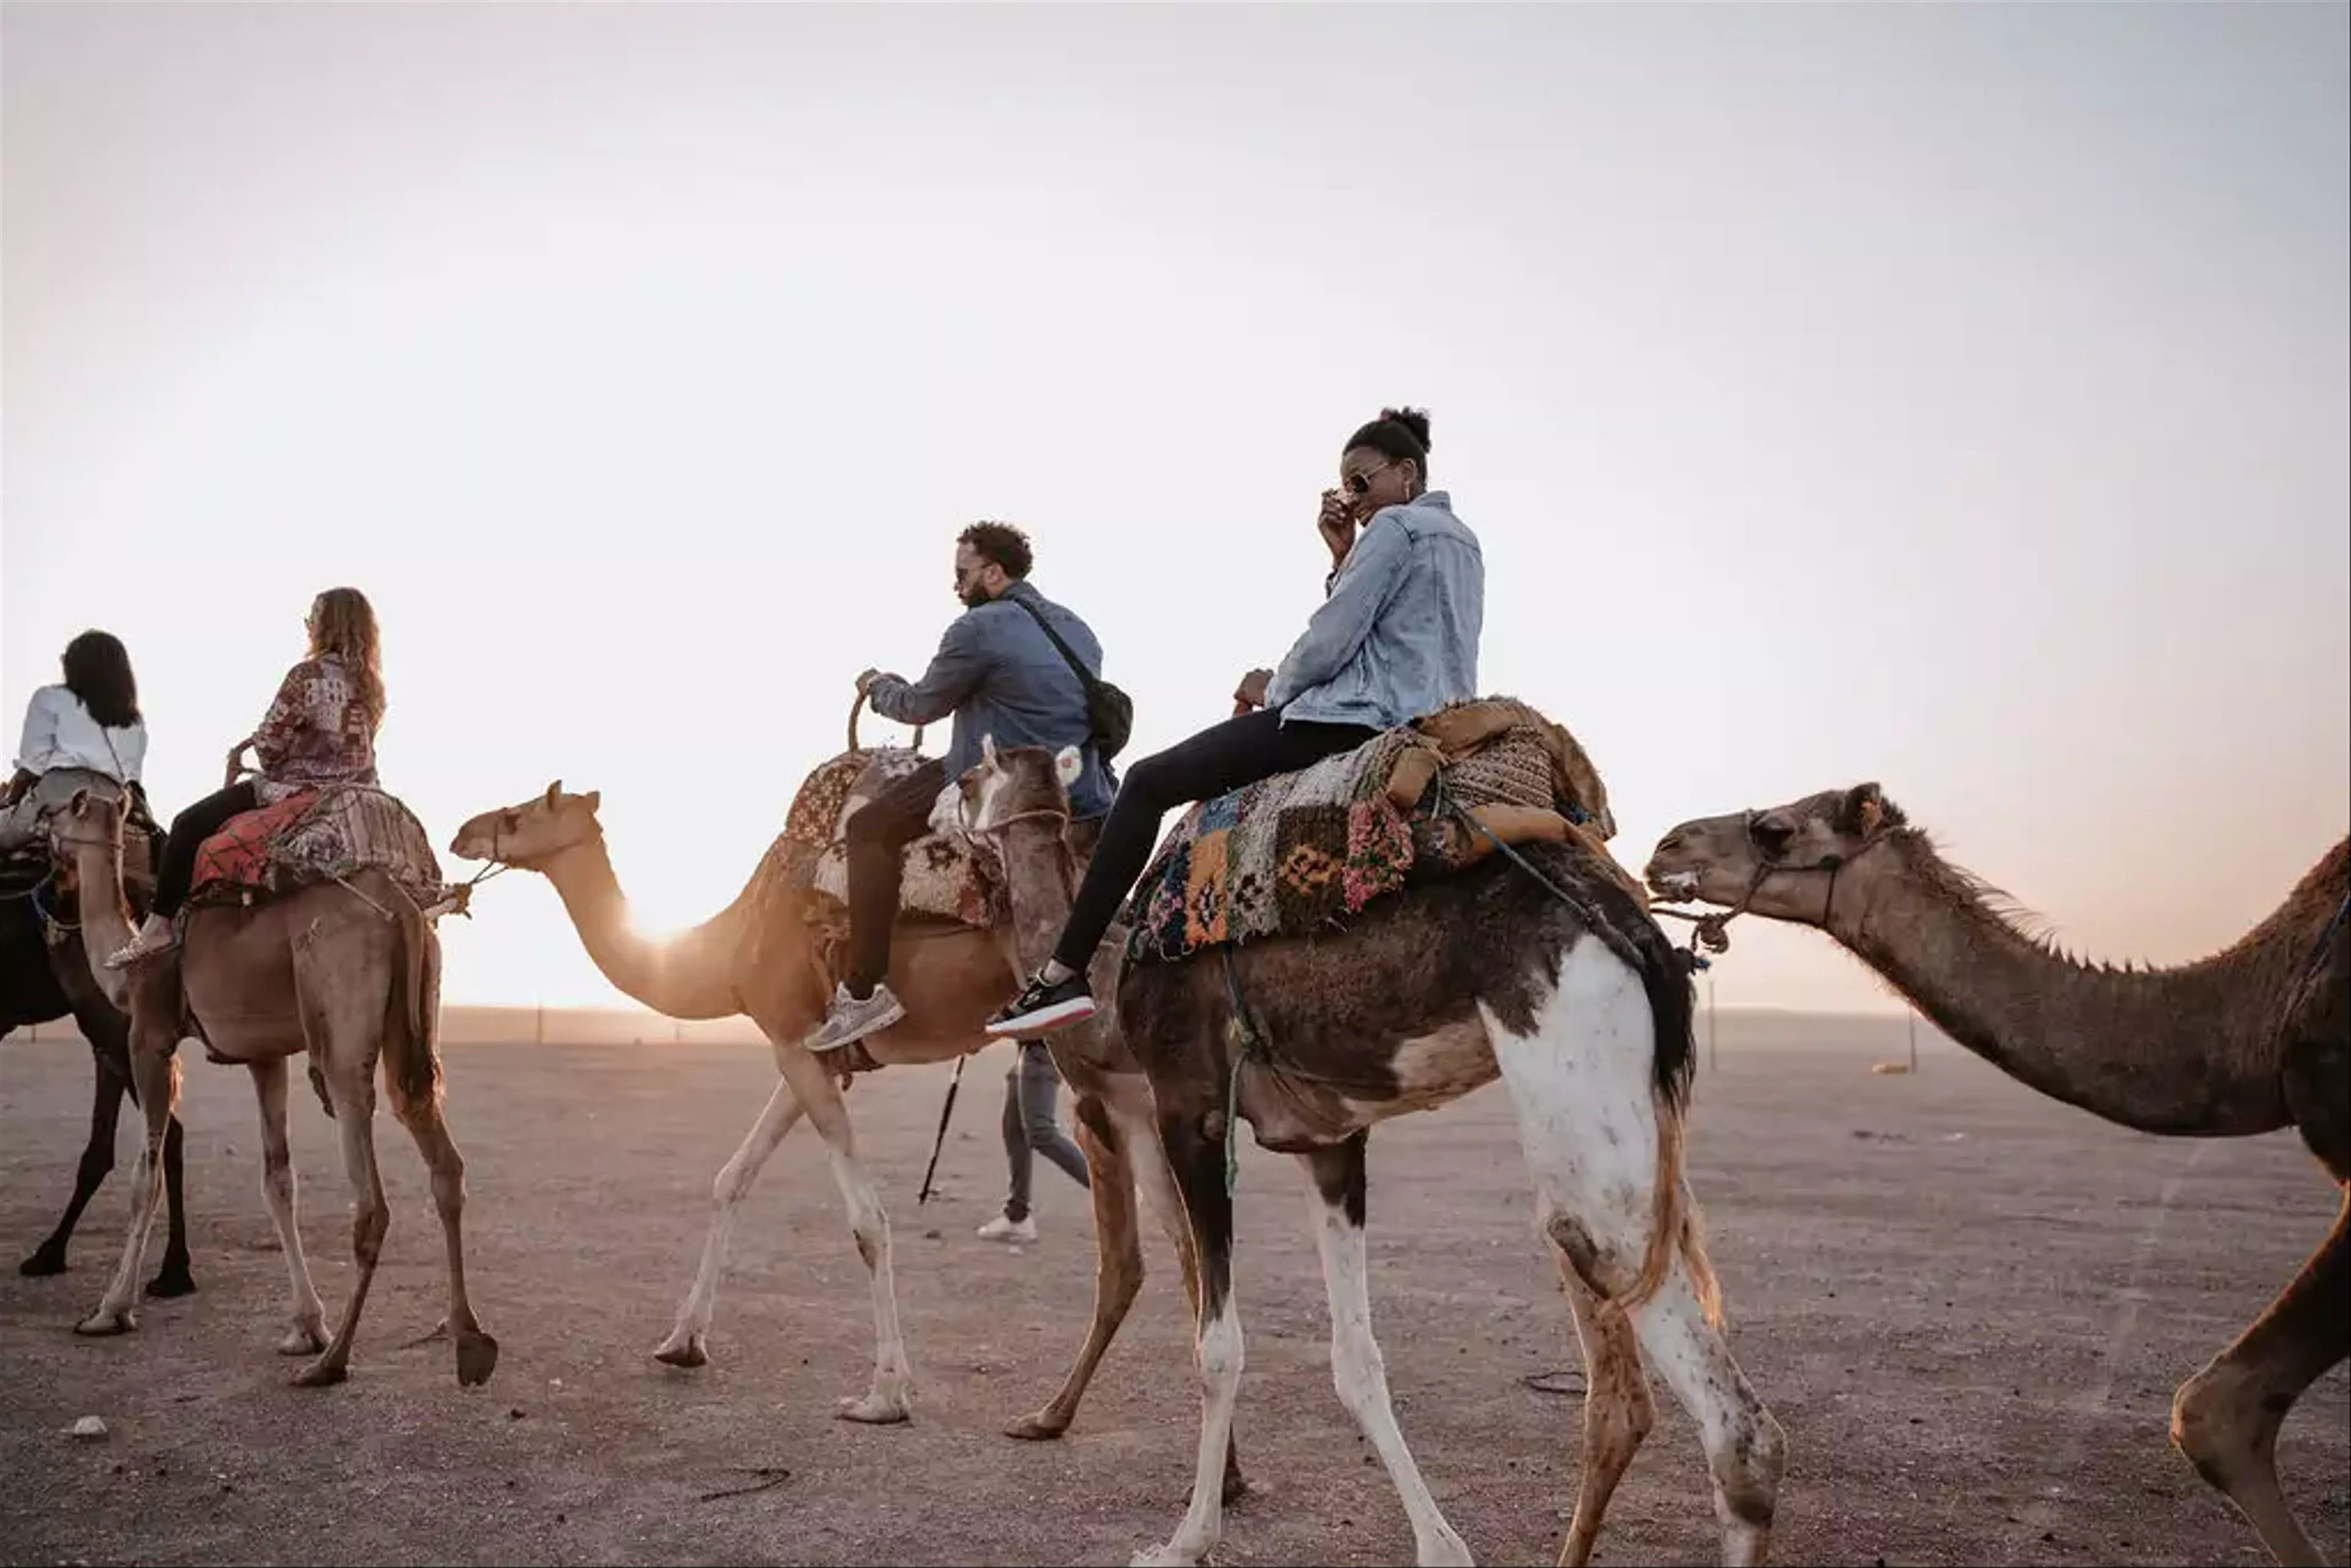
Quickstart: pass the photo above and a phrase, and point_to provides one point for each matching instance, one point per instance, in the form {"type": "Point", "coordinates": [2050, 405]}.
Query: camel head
{"type": "Point", "coordinates": [530, 834]}
{"type": "Point", "coordinates": [1791, 849]}
{"type": "Point", "coordinates": [1018, 783]}
{"type": "Point", "coordinates": [86, 819]}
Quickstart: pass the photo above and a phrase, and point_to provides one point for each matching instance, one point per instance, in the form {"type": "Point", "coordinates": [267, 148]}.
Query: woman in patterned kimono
{"type": "Point", "coordinates": [321, 730]}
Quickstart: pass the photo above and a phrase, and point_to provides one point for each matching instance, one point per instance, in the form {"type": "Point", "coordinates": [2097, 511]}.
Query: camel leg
{"type": "Point", "coordinates": [1357, 1368]}
{"type": "Point", "coordinates": [477, 1351]}
{"type": "Point", "coordinates": [687, 1344]}
{"type": "Point", "coordinates": [1161, 1196]}
{"type": "Point", "coordinates": [1198, 1164]}
{"type": "Point", "coordinates": [174, 1278]}
{"type": "Point", "coordinates": [97, 1164]}
{"type": "Point", "coordinates": [1580, 1080]}
{"type": "Point", "coordinates": [352, 1085]}
{"type": "Point", "coordinates": [155, 1068]}
{"type": "Point", "coordinates": [2226, 1417]}
{"type": "Point", "coordinates": [306, 1334]}
{"type": "Point", "coordinates": [1617, 1409]}
{"type": "Point", "coordinates": [1118, 1265]}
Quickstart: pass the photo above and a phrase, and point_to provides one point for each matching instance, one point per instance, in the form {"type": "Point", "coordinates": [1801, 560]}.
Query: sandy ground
{"type": "Point", "coordinates": [1968, 1306]}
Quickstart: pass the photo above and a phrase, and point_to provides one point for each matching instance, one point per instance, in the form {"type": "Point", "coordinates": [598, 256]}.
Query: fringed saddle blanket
{"type": "Point", "coordinates": [945, 874]}
{"type": "Point", "coordinates": [326, 835]}
{"type": "Point", "coordinates": [1300, 853]}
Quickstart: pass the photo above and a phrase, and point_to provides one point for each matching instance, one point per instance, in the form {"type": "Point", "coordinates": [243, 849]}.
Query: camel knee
{"type": "Point", "coordinates": [1600, 1266]}
{"type": "Point", "coordinates": [277, 1176]}
{"type": "Point", "coordinates": [1358, 1371]}
{"type": "Point", "coordinates": [2220, 1428]}
{"type": "Point", "coordinates": [1220, 1351]}
{"type": "Point", "coordinates": [371, 1219]}
{"type": "Point", "coordinates": [97, 1165]}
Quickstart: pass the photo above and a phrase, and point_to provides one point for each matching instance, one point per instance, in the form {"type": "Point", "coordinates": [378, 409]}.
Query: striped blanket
{"type": "Point", "coordinates": [1301, 853]}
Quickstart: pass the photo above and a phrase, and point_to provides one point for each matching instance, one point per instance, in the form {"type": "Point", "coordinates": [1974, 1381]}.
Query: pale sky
{"type": "Point", "coordinates": [1955, 396]}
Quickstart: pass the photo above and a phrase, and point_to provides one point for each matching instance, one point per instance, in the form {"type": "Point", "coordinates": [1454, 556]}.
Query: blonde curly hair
{"type": "Point", "coordinates": [342, 625]}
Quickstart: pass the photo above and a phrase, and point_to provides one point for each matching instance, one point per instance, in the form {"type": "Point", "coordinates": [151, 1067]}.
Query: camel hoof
{"type": "Point", "coordinates": [170, 1282]}
{"type": "Point", "coordinates": [875, 1410]}
{"type": "Point", "coordinates": [302, 1340]}
{"type": "Point", "coordinates": [687, 1353]}
{"type": "Point", "coordinates": [43, 1263]}
{"type": "Point", "coordinates": [478, 1357]}
{"type": "Point", "coordinates": [1038, 1428]}
{"type": "Point", "coordinates": [1163, 1557]}
{"type": "Point", "coordinates": [102, 1324]}
{"type": "Point", "coordinates": [323, 1372]}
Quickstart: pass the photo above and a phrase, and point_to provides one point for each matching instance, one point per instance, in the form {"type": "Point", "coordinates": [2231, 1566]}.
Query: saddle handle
{"type": "Point", "coordinates": [858, 708]}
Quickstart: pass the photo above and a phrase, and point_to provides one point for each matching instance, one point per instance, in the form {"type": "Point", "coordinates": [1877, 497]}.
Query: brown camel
{"type": "Point", "coordinates": [763, 957]}
{"type": "Point", "coordinates": [348, 974]}
{"type": "Point", "coordinates": [2254, 1039]}
{"type": "Point", "coordinates": [44, 976]}
{"type": "Point", "coordinates": [1573, 998]}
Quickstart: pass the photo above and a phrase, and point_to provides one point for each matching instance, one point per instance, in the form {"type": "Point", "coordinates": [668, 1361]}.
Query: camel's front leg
{"type": "Point", "coordinates": [1199, 1170]}
{"type": "Point", "coordinates": [1357, 1368]}
{"type": "Point", "coordinates": [889, 1399]}
{"type": "Point", "coordinates": [688, 1341]}
{"type": "Point", "coordinates": [307, 1334]}
{"type": "Point", "coordinates": [1118, 1264]}
{"type": "Point", "coordinates": [97, 1163]}
{"type": "Point", "coordinates": [155, 1069]}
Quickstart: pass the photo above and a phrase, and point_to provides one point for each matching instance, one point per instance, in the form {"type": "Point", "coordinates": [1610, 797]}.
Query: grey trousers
{"type": "Point", "coordinates": [20, 824]}
{"type": "Point", "coordinates": [1029, 1092]}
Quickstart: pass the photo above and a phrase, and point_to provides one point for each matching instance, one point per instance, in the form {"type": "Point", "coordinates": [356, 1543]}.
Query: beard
{"type": "Point", "coordinates": [975, 596]}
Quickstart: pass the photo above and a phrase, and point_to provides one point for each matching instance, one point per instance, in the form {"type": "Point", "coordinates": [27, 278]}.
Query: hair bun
{"type": "Point", "coordinates": [1413, 420]}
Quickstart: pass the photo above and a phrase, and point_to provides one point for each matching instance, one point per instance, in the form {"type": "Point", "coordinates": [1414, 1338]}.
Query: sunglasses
{"type": "Point", "coordinates": [1360, 484]}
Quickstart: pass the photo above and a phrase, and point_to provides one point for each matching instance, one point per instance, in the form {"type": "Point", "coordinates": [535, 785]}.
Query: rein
{"type": "Point", "coordinates": [1712, 931]}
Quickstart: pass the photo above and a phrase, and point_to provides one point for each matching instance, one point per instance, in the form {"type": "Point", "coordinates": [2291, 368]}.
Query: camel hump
{"type": "Point", "coordinates": [327, 833]}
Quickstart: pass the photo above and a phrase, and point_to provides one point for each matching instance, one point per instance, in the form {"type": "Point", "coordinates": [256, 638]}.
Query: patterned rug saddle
{"type": "Point", "coordinates": [945, 876]}
{"type": "Point", "coordinates": [1303, 852]}
{"type": "Point", "coordinates": [328, 834]}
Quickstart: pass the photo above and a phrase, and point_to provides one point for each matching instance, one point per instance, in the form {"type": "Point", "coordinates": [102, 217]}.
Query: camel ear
{"type": "Point", "coordinates": [988, 753]}
{"type": "Point", "coordinates": [554, 794]}
{"type": "Point", "coordinates": [1863, 812]}
{"type": "Point", "coordinates": [80, 804]}
{"type": "Point", "coordinates": [594, 798]}
{"type": "Point", "coordinates": [1067, 763]}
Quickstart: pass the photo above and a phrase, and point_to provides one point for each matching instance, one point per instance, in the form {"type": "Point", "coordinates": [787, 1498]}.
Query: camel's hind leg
{"type": "Point", "coordinates": [306, 1334]}
{"type": "Point", "coordinates": [477, 1351]}
{"type": "Point", "coordinates": [688, 1341]}
{"type": "Point", "coordinates": [1583, 1082]}
{"type": "Point", "coordinates": [155, 1070]}
{"type": "Point", "coordinates": [1357, 1367]}
{"type": "Point", "coordinates": [1118, 1264]}
{"type": "Point", "coordinates": [108, 1087]}
{"type": "Point", "coordinates": [1617, 1409]}
{"type": "Point", "coordinates": [353, 1085]}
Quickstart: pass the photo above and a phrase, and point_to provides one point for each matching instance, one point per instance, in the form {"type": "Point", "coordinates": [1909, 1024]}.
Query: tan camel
{"type": "Point", "coordinates": [346, 973]}
{"type": "Point", "coordinates": [1571, 996]}
{"type": "Point", "coordinates": [761, 958]}
{"type": "Point", "coordinates": [2254, 1039]}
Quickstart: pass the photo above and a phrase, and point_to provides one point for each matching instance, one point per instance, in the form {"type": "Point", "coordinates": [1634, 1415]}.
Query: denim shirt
{"type": "Point", "coordinates": [999, 674]}
{"type": "Point", "coordinates": [1397, 636]}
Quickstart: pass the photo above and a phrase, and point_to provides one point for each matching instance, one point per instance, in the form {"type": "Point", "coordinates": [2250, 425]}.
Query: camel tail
{"type": "Point", "coordinates": [412, 1014]}
{"type": "Point", "coordinates": [1676, 1228]}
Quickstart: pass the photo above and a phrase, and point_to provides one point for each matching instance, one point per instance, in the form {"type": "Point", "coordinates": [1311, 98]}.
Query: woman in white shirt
{"type": "Point", "coordinates": [84, 733]}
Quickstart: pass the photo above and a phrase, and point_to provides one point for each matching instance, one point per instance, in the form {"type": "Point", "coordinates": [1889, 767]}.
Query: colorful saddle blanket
{"type": "Point", "coordinates": [1300, 853]}
{"type": "Point", "coordinates": [944, 876]}
{"type": "Point", "coordinates": [325, 835]}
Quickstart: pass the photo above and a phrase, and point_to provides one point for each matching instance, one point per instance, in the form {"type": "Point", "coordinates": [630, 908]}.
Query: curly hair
{"type": "Point", "coordinates": [1002, 543]}
{"type": "Point", "coordinates": [342, 624]}
{"type": "Point", "coordinates": [98, 671]}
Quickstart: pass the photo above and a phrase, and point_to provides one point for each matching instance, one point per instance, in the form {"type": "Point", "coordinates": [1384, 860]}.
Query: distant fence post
{"type": "Point", "coordinates": [539, 1025]}
{"type": "Point", "coordinates": [1912, 1019]}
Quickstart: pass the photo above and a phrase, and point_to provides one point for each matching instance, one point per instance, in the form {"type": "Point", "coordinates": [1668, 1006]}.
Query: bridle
{"type": "Point", "coordinates": [1713, 932]}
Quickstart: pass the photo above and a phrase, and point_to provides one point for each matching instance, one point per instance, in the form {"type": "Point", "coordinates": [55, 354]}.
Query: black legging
{"type": "Point", "coordinates": [1241, 751]}
{"type": "Point", "coordinates": [190, 828]}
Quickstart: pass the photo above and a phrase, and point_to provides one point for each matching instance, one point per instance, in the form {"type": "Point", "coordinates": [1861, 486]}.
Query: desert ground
{"type": "Point", "coordinates": [1967, 1305]}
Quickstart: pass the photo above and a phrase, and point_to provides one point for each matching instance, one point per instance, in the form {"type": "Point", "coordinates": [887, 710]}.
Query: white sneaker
{"type": "Point", "coordinates": [155, 936]}
{"type": "Point", "coordinates": [1012, 1232]}
{"type": "Point", "coordinates": [850, 1019]}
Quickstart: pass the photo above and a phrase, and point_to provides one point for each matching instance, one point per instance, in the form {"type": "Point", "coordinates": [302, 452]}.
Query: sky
{"type": "Point", "coordinates": [1954, 396]}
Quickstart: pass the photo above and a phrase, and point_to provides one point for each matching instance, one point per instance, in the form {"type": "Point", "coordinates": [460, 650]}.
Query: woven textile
{"type": "Point", "coordinates": [325, 835]}
{"type": "Point", "coordinates": [944, 876]}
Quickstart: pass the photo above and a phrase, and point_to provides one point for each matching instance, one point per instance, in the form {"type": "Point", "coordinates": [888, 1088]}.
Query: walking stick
{"type": "Point", "coordinates": [940, 1142]}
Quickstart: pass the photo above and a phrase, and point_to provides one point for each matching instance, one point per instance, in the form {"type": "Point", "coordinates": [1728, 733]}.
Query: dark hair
{"type": "Point", "coordinates": [1002, 543]}
{"type": "Point", "coordinates": [98, 671]}
{"type": "Point", "coordinates": [1399, 434]}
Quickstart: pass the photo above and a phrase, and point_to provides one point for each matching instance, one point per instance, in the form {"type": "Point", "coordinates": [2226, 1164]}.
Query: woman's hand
{"type": "Point", "coordinates": [236, 763]}
{"type": "Point", "coordinates": [1250, 693]}
{"type": "Point", "coordinates": [1337, 524]}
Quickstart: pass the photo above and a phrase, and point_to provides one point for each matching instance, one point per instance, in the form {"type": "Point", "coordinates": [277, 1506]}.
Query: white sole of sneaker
{"type": "Point", "coordinates": [1075, 1010]}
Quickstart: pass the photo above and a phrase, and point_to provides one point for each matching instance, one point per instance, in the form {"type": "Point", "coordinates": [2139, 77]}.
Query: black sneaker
{"type": "Point", "coordinates": [1045, 1005]}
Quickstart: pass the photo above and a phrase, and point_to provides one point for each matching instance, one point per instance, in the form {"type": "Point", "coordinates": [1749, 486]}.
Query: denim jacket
{"type": "Point", "coordinates": [1000, 675]}
{"type": "Point", "coordinates": [1397, 636]}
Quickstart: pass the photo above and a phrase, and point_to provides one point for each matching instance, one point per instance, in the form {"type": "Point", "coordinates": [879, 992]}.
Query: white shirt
{"type": "Point", "coordinates": [60, 733]}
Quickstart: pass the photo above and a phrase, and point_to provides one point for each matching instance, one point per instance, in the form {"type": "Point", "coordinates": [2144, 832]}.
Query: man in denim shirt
{"type": "Point", "coordinates": [999, 674]}
{"type": "Point", "coordinates": [1397, 638]}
